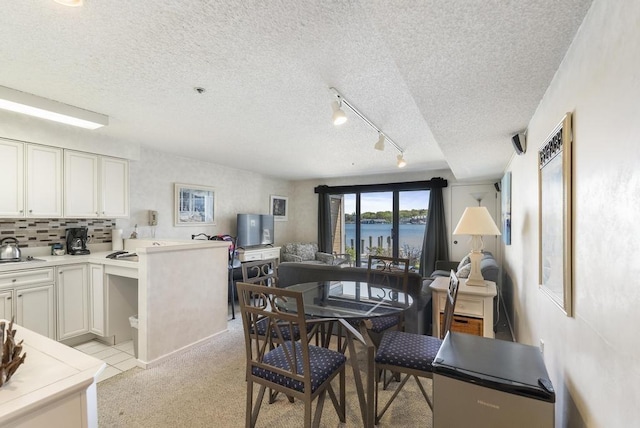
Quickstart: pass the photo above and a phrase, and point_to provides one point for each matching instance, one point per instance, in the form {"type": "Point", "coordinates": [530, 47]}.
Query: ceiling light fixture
{"type": "Point", "coordinates": [339, 118]}
{"type": "Point", "coordinates": [33, 105]}
{"type": "Point", "coordinates": [72, 3]}
{"type": "Point", "coordinates": [380, 144]}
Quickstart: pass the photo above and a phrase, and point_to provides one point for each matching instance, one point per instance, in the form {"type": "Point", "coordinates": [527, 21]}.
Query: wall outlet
{"type": "Point", "coordinates": [542, 346]}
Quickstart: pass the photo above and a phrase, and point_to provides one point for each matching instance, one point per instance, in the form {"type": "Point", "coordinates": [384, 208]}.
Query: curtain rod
{"type": "Point", "coordinates": [434, 183]}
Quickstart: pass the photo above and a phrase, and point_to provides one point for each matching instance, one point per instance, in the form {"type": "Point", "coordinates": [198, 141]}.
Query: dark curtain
{"type": "Point", "coordinates": [324, 223]}
{"type": "Point", "coordinates": [434, 246]}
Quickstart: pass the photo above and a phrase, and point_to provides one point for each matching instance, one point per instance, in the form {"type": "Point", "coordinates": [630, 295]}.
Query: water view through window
{"type": "Point", "coordinates": [377, 220]}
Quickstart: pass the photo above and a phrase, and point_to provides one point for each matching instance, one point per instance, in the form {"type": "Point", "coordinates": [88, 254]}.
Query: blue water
{"type": "Point", "coordinates": [410, 234]}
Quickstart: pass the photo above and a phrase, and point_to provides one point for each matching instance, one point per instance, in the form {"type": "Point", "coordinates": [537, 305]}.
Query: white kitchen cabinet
{"type": "Point", "coordinates": [28, 295]}
{"type": "Point", "coordinates": [12, 189]}
{"type": "Point", "coordinates": [6, 304]}
{"type": "Point", "coordinates": [35, 309]}
{"type": "Point", "coordinates": [32, 180]}
{"type": "Point", "coordinates": [95, 186]}
{"type": "Point", "coordinates": [73, 300]}
{"type": "Point", "coordinates": [43, 181]}
{"type": "Point", "coordinates": [96, 300]}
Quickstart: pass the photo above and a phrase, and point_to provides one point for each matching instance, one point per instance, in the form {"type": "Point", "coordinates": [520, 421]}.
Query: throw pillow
{"type": "Point", "coordinates": [464, 271]}
{"type": "Point", "coordinates": [465, 261]}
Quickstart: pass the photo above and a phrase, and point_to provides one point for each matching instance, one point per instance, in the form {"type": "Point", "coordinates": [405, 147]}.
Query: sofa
{"type": "Point", "coordinates": [307, 252]}
{"type": "Point", "coordinates": [417, 317]}
{"type": "Point", "coordinates": [488, 267]}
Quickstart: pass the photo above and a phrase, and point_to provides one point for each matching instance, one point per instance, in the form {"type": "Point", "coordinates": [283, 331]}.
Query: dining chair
{"type": "Point", "coordinates": [411, 354]}
{"type": "Point", "coordinates": [392, 274]}
{"type": "Point", "coordinates": [293, 367]}
{"type": "Point", "coordinates": [263, 272]}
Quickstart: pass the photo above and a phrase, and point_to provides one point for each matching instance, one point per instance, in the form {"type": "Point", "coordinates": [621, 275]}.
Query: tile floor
{"type": "Point", "coordinates": [119, 358]}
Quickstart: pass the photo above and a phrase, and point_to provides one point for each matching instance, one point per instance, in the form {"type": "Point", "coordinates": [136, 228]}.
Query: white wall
{"type": "Point", "coordinates": [592, 357]}
{"type": "Point", "coordinates": [236, 191]}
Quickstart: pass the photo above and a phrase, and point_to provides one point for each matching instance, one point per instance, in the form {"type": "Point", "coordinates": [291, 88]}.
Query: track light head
{"type": "Point", "coordinates": [338, 117]}
{"type": "Point", "coordinates": [380, 144]}
{"type": "Point", "coordinates": [401, 162]}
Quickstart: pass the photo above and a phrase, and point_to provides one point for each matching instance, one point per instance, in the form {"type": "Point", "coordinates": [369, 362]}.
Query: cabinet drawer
{"type": "Point", "coordinates": [272, 253]}
{"type": "Point", "coordinates": [249, 257]}
{"type": "Point", "coordinates": [465, 306]}
{"type": "Point", "coordinates": [26, 277]}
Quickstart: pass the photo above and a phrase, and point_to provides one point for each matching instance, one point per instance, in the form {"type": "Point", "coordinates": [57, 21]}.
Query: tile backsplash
{"type": "Point", "coordinates": [41, 232]}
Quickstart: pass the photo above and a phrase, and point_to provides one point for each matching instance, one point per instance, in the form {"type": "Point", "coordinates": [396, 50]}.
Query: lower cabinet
{"type": "Point", "coordinates": [35, 309]}
{"type": "Point", "coordinates": [96, 299]}
{"type": "Point", "coordinates": [29, 297]}
{"type": "Point", "coordinates": [73, 301]}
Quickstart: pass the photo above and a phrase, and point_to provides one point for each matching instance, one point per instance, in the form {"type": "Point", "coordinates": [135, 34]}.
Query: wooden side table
{"type": "Point", "coordinates": [474, 307]}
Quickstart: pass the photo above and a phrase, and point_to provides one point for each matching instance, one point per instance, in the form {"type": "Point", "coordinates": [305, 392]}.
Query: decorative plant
{"type": "Point", "coordinates": [10, 358]}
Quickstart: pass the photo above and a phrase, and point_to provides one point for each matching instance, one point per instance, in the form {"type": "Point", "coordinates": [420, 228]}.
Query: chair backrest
{"type": "Point", "coordinates": [450, 304]}
{"type": "Point", "coordinates": [388, 271]}
{"type": "Point", "coordinates": [262, 272]}
{"type": "Point", "coordinates": [259, 305]}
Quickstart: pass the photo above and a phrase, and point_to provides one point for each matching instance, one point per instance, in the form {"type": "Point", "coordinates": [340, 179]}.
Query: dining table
{"type": "Point", "coordinates": [347, 307]}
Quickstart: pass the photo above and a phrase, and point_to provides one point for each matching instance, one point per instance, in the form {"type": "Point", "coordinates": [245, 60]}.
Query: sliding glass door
{"type": "Point", "coordinates": [389, 223]}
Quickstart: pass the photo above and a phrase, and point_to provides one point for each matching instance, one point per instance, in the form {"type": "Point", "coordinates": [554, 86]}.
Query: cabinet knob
{"type": "Point", "coordinates": [19, 295]}
{"type": "Point", "coordinates": [97, 213]}
{"type": "Point", "coordinates": [9, 298]}
{"type": "Point", "coordinates": [30, 211]}
{"type": "Point", "coordinates": [14, 280]}
{"type": "Point", "coordinates": [21, 211]}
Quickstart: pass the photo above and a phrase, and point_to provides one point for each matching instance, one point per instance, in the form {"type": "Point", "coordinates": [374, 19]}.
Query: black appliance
{"type": "Point", "coordinates": [484, 382]}
{"type": "Point", "coordinates": [77, 241]}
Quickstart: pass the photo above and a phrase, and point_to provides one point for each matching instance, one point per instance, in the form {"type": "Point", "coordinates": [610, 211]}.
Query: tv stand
{"type": "Point", "coordinates": [259, 253]}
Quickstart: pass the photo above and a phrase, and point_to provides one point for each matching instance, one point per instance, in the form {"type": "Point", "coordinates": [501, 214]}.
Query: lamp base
{"type": "Point", "coordinates": [475, 276]}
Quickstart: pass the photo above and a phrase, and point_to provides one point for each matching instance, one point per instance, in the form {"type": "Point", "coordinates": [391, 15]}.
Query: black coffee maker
{"type": "Point", "coordinates": [77, 241]}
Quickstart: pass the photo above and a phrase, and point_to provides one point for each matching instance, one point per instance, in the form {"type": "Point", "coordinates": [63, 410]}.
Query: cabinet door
{"type": "Point", "coordinates": [114, 187]}
{"type": "Point", "coordinates": [6, 305]}
{"type": "Point", "coordinates": [73, 301]}
{"type": "Point", "coordinates": [12, 189]}
{"type": "Point", "coordinates": [35, 309]}
{"type": "Point", "coordinates": [96, 299]}
{"type": "Point", "coordinates": [44, 181]}
{"type": "Point", "coordinates": [80, 184]}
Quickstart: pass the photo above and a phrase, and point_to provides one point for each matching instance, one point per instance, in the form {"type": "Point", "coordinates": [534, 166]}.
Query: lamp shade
{"type": "Point", "coordinates": [380, 144]}
{"type": "Point", "coordinates": [476, 221]}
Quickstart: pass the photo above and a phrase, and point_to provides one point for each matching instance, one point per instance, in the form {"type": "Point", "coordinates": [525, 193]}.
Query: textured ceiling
{"type": "Point", "coordinates": [448, 81]}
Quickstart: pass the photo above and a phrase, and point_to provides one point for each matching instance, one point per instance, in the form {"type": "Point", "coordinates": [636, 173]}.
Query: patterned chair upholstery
{"type": "Point", "coordinates": [308, 253]}
{"type": "Point", "coordinates": [297, 369]}
{"type": "Point", "coordinates": [412, 354]}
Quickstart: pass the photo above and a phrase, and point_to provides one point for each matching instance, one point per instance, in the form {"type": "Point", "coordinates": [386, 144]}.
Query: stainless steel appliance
{"type": "Point", "coordinates": [9, 250]}
{"type": "Point", "coordinates": [481, 382]}
{"type": "Point", "coordinates": [77, 241]}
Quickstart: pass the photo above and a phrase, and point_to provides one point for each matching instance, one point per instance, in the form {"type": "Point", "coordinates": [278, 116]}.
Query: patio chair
{"type": "Point", "coordinates": [294, 368]}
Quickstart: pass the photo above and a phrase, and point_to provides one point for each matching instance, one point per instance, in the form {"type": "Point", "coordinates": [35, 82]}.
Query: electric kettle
{"type": "Point", "coordinates": [9, 250]}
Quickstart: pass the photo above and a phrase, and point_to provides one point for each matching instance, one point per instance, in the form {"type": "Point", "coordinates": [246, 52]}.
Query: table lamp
{"type": "Point", "coordinates": [476, 221]}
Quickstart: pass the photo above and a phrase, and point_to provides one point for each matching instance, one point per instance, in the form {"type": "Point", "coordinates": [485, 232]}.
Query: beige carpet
{"type": "Point", "coordinates": [206, 388]}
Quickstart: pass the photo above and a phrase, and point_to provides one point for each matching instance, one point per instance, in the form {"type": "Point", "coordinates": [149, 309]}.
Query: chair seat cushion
{"type": "Point", "coordinates": [410, 350]}
{"type": "Point", "coordinates": [380, 324]}
{"type": "Point", "coordinates": [285, 330]}
{"type": "Point", "coordinates": [323, 362]}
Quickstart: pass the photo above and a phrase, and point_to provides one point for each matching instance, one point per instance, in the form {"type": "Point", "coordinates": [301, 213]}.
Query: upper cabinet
{"type": "Point", "coordinates": [32, 180]}
{"type": "Point", "coordinates": [95, 186]}
{"type": "Point", "coordinates": [12, 189]}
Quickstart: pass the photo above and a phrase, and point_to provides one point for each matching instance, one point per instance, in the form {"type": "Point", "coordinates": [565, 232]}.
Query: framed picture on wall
{"type": "Point", "coordinates": [506, 208]}
{"type": "Point", "coordinates": [554, 216]}
{"type": "Point", "coordinates": [279, 207]}
{"type": "Point", "coordinates": [194, 205]}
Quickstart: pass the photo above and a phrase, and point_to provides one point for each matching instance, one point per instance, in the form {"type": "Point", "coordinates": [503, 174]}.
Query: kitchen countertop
{"type": "Point", "coordinates": [51, 261]}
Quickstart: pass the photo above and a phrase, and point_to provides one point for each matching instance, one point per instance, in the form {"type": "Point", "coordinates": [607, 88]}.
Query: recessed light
{"type": "Point", "coordinates": [72, 3]}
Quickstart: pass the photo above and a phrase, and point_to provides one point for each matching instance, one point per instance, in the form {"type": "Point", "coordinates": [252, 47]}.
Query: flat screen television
{"type": "Point", "coordinates": [255, 229]}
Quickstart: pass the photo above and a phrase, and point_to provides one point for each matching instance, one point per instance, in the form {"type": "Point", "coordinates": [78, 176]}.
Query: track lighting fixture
{"type": "Point", "coordinates": [380, 144]}
{"type": "Point", "coordinates": [339, 118]}
{"type": "Point", "coordinates": [338, 115]}
{"type": "Point", "coordinates": [401, 162]}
